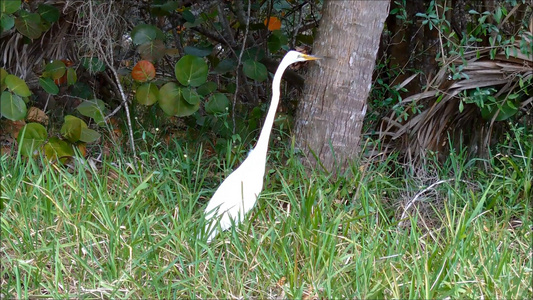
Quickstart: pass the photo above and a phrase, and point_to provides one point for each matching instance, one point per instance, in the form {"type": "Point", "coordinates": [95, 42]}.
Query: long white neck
{"type": "Point", "coordinates": [262, 142]}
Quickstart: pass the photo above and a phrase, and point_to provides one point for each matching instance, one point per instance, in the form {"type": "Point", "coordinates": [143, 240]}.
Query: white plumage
{"type": "Point", "coordinates": [239, 191]}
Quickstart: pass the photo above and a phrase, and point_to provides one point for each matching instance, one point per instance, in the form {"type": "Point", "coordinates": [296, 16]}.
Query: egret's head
{"type": "Point", "coordinates": [295, 56]}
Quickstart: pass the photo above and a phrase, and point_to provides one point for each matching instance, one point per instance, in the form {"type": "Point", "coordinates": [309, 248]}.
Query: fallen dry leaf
{"type": "Point", "coordinates": [11, 129]}
{"type": "Point", "coordinates": [37, 115]}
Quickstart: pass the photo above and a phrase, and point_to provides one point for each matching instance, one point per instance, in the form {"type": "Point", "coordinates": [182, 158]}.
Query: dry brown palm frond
{"type": "Point", "coordinates": [441, 119]}
{"type": "Point", "coordinates": [26, 60]}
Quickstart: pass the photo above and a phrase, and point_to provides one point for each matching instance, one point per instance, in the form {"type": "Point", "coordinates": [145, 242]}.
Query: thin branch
{"type": "Point", "coordinates": [411, 202]}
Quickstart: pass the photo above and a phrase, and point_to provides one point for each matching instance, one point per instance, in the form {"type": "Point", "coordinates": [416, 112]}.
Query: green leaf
{"type": "Point", "coordinates": [188, 16]}
{"type": "Point", "coordinates": [252, 54]}
{"type": "Point", "coordinates": [48, 12]}
{"type": "Point", "coordinates": [153, 50]}
{"type": "Point", "coordinates": [55, 69]}
{"type": "Point", "coordinates": [72, 76]}
{"type": "Point", "coordinates": [507, 110]}
{"type": "Point", "coordinates": [57, 149]}
{"type": "Point", "coordinates": [30, 138]}
{"type": "Point", "coordinates": [17, 86]}
{"type": "Point", "coordinates": [29, 24]}
{"type": "Point", "coordinates": [6, 22]}
{"type": "Point", "coordinates": [89, 135]}
{"type": "Point", "coordinates": [9, 6]}
{"type": "Point", "coordinates": [254, 70]}
{"type": "Point", "coordinates": [163, 7]}
{"type": "Point", "coordinates": [147, 94]}
{"type": "Point", "coordinates": [206, 88]}
{"type": "Point", "coordinates": [276, 40]}
{"type": "Point", "coordinates": [197, 51]}
{"type": "Point", "coordinates": [93, 64]}
{"type": "Point", "coordinates": [172, 102]}
{"type": "Point", "coordinates": [144, 33]}
{"type": "Point", "coordinates": [12, 106]}
{"type": "Point", "coordinates": [3, 75]}
{"type": "Point", "coordinates": [305, 39]}
{"type": "Point", "coordinates": [72, 127]}
{"type": "Point", "coordinates": [81, 90]}
{"type": "Point", "coordinates": [49, 86]}
{"type": "Point", "coordinates": [93, 109]}
{"type": "Point", "coordinates": [225, 66]}
{"type": "Point", "coordinates": [190, 96]}
{"type": "Point", "coordinates": [218, 103]}
{"type": "Point", "coordinates": [191, 70]}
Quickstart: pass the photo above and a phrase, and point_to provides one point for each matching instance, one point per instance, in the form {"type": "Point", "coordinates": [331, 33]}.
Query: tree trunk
{"type": "Point", "coordinates": [330, 116]}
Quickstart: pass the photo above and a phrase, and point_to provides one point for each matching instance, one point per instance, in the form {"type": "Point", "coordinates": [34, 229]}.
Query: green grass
{"type": "Point", "coordinates": [128, 230]}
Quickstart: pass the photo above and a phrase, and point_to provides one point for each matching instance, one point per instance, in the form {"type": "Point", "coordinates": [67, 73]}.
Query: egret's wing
{"type": "Point", "coordinates": [235, 196]}
{"type": "Point", "coordinates": [226, 196]}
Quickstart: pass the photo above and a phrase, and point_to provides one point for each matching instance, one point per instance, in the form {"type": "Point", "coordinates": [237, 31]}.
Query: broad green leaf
{"type": "Point", "coordinates": [57, 149]}
{"type": "Point", "coordinates": [72, 127]}
{"type": "Point", "coordinates": [93, 109]}
{"type": "Point", "coordinates": [305, 38]}
{"type": "Point", "coordinates": [231, 88]}
{"type": "Point", "coordinates": [3, 75]}
{"type": "Point", "coordinates": [6, 22]}
{"type": "Point", "coordinates": [81, 90]}
{"type": "Point", "coordinates": [55, 69]}
{"type": "Point", "coordinates": [506, 111]}
{"type": "Point", "coordinates": [188, 16]}
{"type": "Point", "coordinates": [49, 86]}
{"type": "Point", "coordinates": [147, 94]}
{"type": "Point", "coordinates": [93, 64]}
{"type": "Point", "coordinates": [254, 70]}
{"type": "Point", "coordinates": [48, 12]}
{"type": "Point", "coordinates": [29, 24]}
{"type": "Point", "coordinates": [225, 66]}
{"type": "Point", "coordinates": [144, 33]}
{"type": "Point", "coordinates": [172, 102]}
{"type": "Point", "coordinates": [12, 106]}
{"type": "Point", "coordinates": [89, 135]}
{"type": "Point", "coordinates": [191, 70]}
{"type": "Point", "coordinates": [72, 76]}
{"type": "Point", "coordinates": [30, 138]}
{"type": "Point", "coordinates": [170, 6]}
{"type": "Point", "coordinates": [276, 41]}
{"type": "Point", "coordinates": [218, 103]}
{"type": "Point", "coordinates": [252, 54]}
{"type": "Point", "coordinates": [207, 88]}
{"type": "Point", "coordinates": [190, 96]}
{"type": "Point", "coordinates": [169, 95]}
{"type": "Point", "coordinates": [17, 86]}
{"type": "Point", "coordinates": [152, 50]}
{"type": "Point", "coordinates": [197, 51]}
{"type": "Point", "coordinates": [163, 8]}
{"type": "Point", "coordinates": [9, 6]}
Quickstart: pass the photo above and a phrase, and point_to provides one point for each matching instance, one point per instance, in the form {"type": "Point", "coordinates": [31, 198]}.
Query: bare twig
{"type": "Point", "coordinates": [412, 201]}
{"type": "Point", "coordinates": [98, 30]}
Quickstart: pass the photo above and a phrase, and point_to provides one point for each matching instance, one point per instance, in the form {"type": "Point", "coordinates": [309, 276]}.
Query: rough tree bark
{"type": "Point", "coordinates": [331, 112]}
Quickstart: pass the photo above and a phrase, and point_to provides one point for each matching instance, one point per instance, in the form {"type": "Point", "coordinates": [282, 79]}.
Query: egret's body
{"type": "Point", "coordinates": [238, 193]}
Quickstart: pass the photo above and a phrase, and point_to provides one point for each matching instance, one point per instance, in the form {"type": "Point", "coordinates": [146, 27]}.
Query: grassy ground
{"type": "Point", "coordinates": [128, 230]}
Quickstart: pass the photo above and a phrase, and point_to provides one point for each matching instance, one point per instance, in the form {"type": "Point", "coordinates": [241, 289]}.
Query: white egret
{"type": "Point", "coordinates": [238, 193]}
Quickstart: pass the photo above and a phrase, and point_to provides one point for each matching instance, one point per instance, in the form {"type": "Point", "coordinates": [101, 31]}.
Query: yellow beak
{"type": "Point", "coordinates": [311, 57]}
